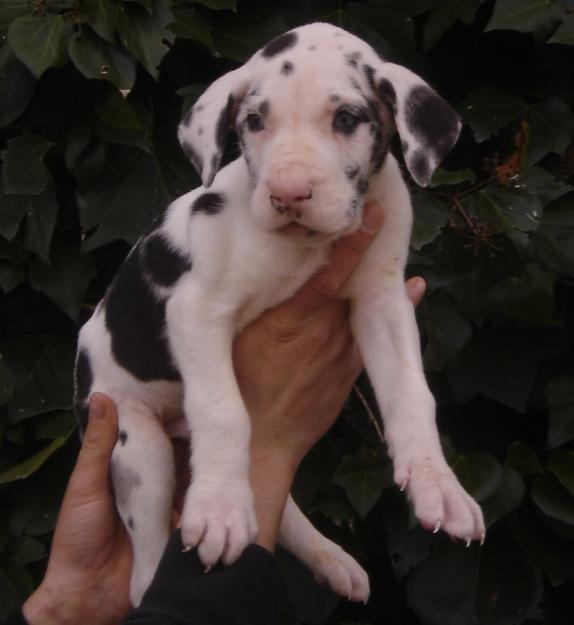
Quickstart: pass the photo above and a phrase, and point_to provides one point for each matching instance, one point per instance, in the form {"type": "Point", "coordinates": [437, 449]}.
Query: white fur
{"type": "Point", "coordinates": [243, 265]}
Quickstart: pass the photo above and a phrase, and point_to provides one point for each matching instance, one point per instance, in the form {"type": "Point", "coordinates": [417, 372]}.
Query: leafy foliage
{"type": "Point", "coordinates": [90, 95]}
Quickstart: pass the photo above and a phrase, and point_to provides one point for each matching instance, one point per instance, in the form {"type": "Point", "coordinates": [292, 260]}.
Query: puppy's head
{"type": "Point", "coordinates": [315, 111]}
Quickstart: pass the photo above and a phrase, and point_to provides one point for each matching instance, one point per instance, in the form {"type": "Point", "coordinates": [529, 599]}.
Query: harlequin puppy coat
{"type": "Point", "coordinates": [314, 111]}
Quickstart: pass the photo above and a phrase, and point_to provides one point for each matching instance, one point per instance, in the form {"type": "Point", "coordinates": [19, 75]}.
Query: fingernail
{"type": "Point", "coordinates": [96, 411]}
{"type": "Point", "coordinates": [468, 541]}
{"type": "Point", "coordinates": [418, 288]}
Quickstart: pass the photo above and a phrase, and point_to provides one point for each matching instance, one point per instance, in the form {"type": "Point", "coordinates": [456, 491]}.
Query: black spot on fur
{"type": "Point", "coordinates": [84, 378]}
{"type": "Point", "coordinates": [355, 84]}
{"type": "Point", "coordinates": [279, 45]}
{"type": "Point", "coordinates": [164, 265]}
{"type": "Point", "coordinates": [387, 92]}
{"type": "Point", "coordinates": [131, 524]}
{"type": "Point", "coordinates": [334, 98]}
{"type": "Point", "coordinates": [404, 146]}
{"type": "Point", "coordinates": [431, 120]}
{"type": "Point", "coordinates": [287, 68]}
{"type": "Point", "coordinates": [223, 123]}
{"type": "Point", "coordinates": [353, 58]}
{"type": "Point", "coordinates": [370, 74]}
{"type": "Point", "coordinates": [419, 165]}
{"type": "Point", "coordinates": [352, 171]}
{"type": "Point", "coordinates": [125, 480]}
{"type": "Point", "coordinates": [193, 156]}
{"type": "Point", "coordinates": [209, 203]}
{"type": "Point", "coordinates": [264, 108]}
{"type": "Point", "coordinates": [362, 185]}
{"type": "Point", "coordinates": [123, 437]}
{"type": "Point", "coordinates": [135, 318]}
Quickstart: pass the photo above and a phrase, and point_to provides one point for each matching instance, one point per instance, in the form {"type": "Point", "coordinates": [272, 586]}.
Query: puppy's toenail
{"type": "Point", "coordinates": [437, 526]}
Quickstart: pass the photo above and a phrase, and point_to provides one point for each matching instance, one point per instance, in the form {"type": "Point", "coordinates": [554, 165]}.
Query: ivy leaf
{"type": "Point", "coordinates": [522, 458]}
{"type": "Point", "coordinates": [40, 42]}
{"type": "Point", "coordinates": [10, 10]}
{"type": "Point", "coordinates": [561, 463]}
{"type": "Point", "coordinates": [488, 109]}
{"type": "Point", "coordinates": [506, 498]}
{"type": "Point", "coordinates": [16, 89]}
{"type": "Point", "coordinates": [430, 214]}
{"type": "Point", "coordinates": [40, 224]}
{"type": "Point", "coordinates": [100, 60]}
{"type": "Point", "coordinates": [550, 124]}
{"type": "Point", "coordinates": [65, 279]}
{"type": "Point", "coordinates": [23, 550]}
{"type": "Point", "coordinates": [12, 211]}
{"type": "Point", "coordinates": [102, 16]}
{"type": "Point", "coordinates": [30, 466]}
{"type": "Point", "coordinates": [218, 5]}
{"type": "Point", "coordinates": [524, 15]}
{"type": "Point", "coordinates": [565, 32]}
{"type": "Point", "coordinates": [446, 177]}
{"type": "Point", "coordinates": [553, 499]}
{"type": "Point", "coordinates": [542, 183]}
{"type": "Point", "coordinates": [144, 34]}
{"type": "Point", "coordinates": [444, 15]}
{"type": "Point", "coordinates": [560, 398]}
{"type": "Point", "coordinates": [24, 169]}
{"type": "Point", "coordinates": [190, 24]}
{"type": "Point", "coordinates": [479, 473]}
{"type": "Point", "coordinates": [363, 479]}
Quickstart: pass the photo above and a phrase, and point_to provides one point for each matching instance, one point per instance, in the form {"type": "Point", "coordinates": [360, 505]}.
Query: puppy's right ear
{"type": "Point", "coordinates": [203, 130]}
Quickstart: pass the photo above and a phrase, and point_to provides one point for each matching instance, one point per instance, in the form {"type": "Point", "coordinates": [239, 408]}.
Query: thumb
{"type": "Point", "coordinates": [99, 440]}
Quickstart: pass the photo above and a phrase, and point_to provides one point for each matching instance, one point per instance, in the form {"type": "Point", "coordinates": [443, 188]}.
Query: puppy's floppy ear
{"type": "Point", "coordinates": [203, 130]}
{"type": "Point", "coordinates": [427, 125]}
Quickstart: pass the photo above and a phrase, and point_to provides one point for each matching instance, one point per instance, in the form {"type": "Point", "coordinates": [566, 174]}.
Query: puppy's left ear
{"type": "Point", "coordinates": [427, 125]}
{"type": "Point", "coordinates": [203, 130]}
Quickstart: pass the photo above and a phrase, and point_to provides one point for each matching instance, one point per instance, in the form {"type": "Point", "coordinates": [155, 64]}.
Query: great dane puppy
{"type": "Point", "coordinates": [315, 111]}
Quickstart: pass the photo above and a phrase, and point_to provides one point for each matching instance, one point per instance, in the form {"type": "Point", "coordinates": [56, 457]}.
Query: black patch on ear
{"type": "Point", "coordinates": [370, 75]}
{"type": "Point", "coordinates": [163, 265]}
{"type": "Point", "coordinates": [404, 146]}
{"type": "Point", "coordinates": [187, 119]}
{"type": "Point", "coordinates": [351, 171]}
{"type": "Point", "coordinates": [84, 378]}
{"type": "Point", "coordinates": [431, 120]}
{"type": "Point", "coordinates": [264, 108]}
{"type": "Point", "coordinates": [123, 437]}
{"type": "Point", "coordinates": [388, 93]}
{"type": "Point", "coordinates": [279, 44]}
{"type": "Point", "coordinates": [209, 203]}
{"type": "Point", "coordinates": [287, 68]}
{"type": "Point", "coordinates": [355, 84]}
{"type": "Point", "coordinates": [419, 165]}
{"type": "Point", "coordinates": [223, 124]}
{"type": "Point", "coordinates": [362, 185]}
{"type": "Point", "coordinates": [193, 156]}
{"type": "Point", "coordinates": [135, 318]}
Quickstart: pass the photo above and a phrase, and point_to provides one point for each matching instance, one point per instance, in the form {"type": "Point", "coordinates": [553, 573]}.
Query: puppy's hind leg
{"type": "Point", "coordinates": [143, 479]}
{"type": "Point", "coordinates": [328, 562]}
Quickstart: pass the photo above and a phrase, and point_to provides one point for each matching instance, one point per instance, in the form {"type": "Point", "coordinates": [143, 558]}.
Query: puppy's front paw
{"type": "Point", "coordinates": [219, 519]}
{"type": "Point", "coordinates": [439, 501]}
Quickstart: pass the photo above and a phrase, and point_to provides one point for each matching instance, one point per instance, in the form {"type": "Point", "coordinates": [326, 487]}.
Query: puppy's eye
{"type": "Point", "coordinates": [346, 122]}
{"type": "Point", "coordinates": [254, 122]}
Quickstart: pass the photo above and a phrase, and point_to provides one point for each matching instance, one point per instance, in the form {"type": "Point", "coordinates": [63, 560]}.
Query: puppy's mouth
{"type": "Point", "coordinates": [294, 228]}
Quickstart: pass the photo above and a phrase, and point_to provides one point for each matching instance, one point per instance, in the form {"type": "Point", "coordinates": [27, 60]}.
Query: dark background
{"type": "Point", "coordinates": [84, 170]}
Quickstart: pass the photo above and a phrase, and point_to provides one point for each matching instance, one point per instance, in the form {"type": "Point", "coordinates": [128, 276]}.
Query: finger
{"type": "Point", "coordinates": [100, 437]}
{"type": "Point", "coordinates": [326, 284]}
{"type": "Point", "coordinates": [416, 288]}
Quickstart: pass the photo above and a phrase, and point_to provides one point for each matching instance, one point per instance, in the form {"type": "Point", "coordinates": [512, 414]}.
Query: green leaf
{"type": "Point", "coordinates": [24, 171]}
{"type": "Point", "coordinates": [10, 10]}
{"type": "Point", "coordinates": [218, 5]}
{"type": "Point", "coordinates": [506, 498]}
{"type": "Point", "coordinates": [10, 277]}
{"type": "Point", "coordinates": [560, 398]}
{"type": "Point", "coordinates": [430, 214]}
{"type": "Point", "coordinates": [553, 499]}
{"type": "Point", "coordinates": [190, 24]}
{"type": "Point", "coordinates": [561, 463]}
{"type": "Point", "coordinates": [524, 15]}
{"type": "Point", "coordinates": [40, 41]}
{"type": "Point", "coordinates": [363, 478]}
{"type": "Point", "coordinates": [54, 424]}
{"type": "Point", "coordinates": [542, 183]}
{"type": "Point", "coordinates": [100, 60]}
{"type": "Point", "coordinates": [565, 32]}
{"type": "Point", "coordinates": [446, 177]}
{"type": "Point", "coordinates": [144, 34]}
{"type": "Point", "coordinates": [65, 280]}
{"type": "Point", "coordinates": [118, 112]}
{"type": "Point", "coordinates": [528, 298]}
{"type": "Point", "coordinates": [24, 550]}
{"type": "Point", "coordinates": [12, 211]}
{"type": "Point", "coordinates": [488, 109]}
{"type": "Point", "coordinates": [16, 89]}
{"type": "Point", "coordinates": [25, 469]}
{"type": "Point", "coordinates": [550, 125]}
{"type": "Point", "coordinates": [479, 473]}
{"type": "Point", "coordinates": [522, 458]}
{"type": "Point", "coordinates": [40, 224]}
{"type": "Point", "coordinates": [102, 16]}
{"type": "Point", "coordinates": [444, 15]}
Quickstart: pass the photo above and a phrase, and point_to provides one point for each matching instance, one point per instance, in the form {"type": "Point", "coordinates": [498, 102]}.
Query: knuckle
{"type": "Point", "coordinates": [325, 284]}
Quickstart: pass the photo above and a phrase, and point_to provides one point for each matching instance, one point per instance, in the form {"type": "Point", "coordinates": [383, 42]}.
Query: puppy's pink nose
{"type": "Point", "coordinates": [288, 188]}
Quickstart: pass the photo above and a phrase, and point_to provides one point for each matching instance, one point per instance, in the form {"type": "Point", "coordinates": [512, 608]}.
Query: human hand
{"type": "Point", "coordinates": [89, 568]}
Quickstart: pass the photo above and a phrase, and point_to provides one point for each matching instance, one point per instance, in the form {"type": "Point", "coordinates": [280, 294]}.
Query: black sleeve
{"type": "Point", "coordinates": [250, 592]}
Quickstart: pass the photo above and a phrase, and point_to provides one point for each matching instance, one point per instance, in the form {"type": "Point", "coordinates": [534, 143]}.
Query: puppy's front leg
{"type": "Point", "coordinates": [218, 513]}
{"type": "Point", "coordinates": [385, 327]}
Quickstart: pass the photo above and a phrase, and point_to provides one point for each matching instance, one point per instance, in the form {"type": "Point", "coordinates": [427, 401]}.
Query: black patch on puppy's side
{"type": "Point", "coordinates": [84, 378]}
{"type": "Point", "coordinates": [135, 318]}
{"type": "Point", "coordinates": [279, 44]}
{"type": "Point", "coordinates": [210, 203]}
{"type": "Point", "coordinates": [123, 437]}
{"type": "Point", "coordinates": [287, 68]}
{"type": "Point", "coordinates": [163, 264]}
